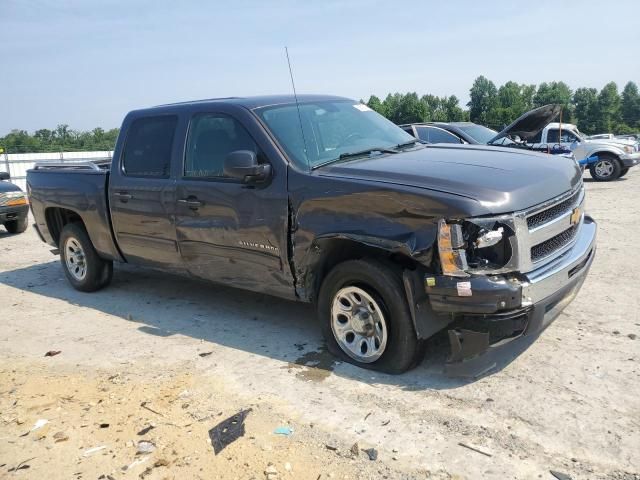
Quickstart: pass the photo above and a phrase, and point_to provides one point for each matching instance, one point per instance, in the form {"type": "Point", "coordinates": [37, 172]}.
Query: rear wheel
{"type": "Point", "coordinates": [17, 226]}
{"type": "Point", "coordinates": [607, 168]}
{"type": "Point", "coordinates": [84, 269]}
{"type": "Point", "coordinates": [365, 317]}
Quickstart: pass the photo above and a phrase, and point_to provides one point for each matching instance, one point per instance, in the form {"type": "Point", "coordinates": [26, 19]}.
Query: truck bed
{"type": "Point", "coordinates": [56, 188]}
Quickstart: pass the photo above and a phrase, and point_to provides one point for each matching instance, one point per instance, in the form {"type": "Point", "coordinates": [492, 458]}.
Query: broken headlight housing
{"type": "Point", "coordinates": [475, 246]}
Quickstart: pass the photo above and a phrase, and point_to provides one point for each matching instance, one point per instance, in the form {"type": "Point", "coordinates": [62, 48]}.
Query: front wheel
{"type": "Point", "coordinates": [624, 171]}
{"type": "Point", "coordinates": [17, 226]}
{"type": "Point", "coordinates": [365, 317]}
{"type": "Point", "coordinates": [607, 168]}
{"type": "Point", "coordinates": [84, 269]}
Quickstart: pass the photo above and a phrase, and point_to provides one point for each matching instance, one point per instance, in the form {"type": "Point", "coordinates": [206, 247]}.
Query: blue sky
{"type": "Point", "coordinates": [87, 63]}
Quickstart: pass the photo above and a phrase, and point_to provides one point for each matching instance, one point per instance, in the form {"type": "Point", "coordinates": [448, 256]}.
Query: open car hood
{"type": "Point", "coordinates": [530, 123]}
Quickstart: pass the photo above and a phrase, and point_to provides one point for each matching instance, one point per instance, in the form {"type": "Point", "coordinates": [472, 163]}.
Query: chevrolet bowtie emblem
{"type": "Point", "coordinates": [575, 216]}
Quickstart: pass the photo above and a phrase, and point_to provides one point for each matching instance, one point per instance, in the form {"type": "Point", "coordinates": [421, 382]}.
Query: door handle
{"type": "Point", "coordinates": [123, 196]}
{"type": "Point", "coordinates": [192, 203]}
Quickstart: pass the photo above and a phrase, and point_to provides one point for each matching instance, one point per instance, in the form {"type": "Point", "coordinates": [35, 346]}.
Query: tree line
{"type": "Point", "coordinates": [604, 111]}
{"type": "Point", "coordinates": [60, 139]}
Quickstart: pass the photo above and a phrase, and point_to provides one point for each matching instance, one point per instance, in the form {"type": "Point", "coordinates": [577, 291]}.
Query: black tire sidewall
{"type": "Point", "coordinates": [617, 168]}
{"type": "Point", "coordinates": [385, 285]}
{"type": "Point", "coordinates": [99, 271]}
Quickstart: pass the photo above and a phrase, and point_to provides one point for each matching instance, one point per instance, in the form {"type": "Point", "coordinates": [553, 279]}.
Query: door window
{"type": "Point", "coordinates": [147, 151]}
{"type": "Point", "coordinates": [211, 138]}
{"type": "Point", "coordinates": [567, 136]}
{"type": "Point", "coordinates": [436, 135]}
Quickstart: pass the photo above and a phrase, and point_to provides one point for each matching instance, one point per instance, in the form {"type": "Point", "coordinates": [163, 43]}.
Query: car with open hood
{"type": "Point", "coordinates": [320, 199]}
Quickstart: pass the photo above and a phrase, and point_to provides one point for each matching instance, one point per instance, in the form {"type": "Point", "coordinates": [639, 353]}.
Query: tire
{"type": "Point", "coordinates": [623, 171]}
{"type": "Point", "coordinates": [607, 168]}
{"type": "Point", "coordinates": [365, 318]}
{"type": "Point", "coordinates": [84, 269]}
{"type": "Point", "coordinates": [17, 226]}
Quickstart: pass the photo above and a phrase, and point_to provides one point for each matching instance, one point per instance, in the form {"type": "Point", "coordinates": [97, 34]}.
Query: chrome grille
{"type": "Point", "coordinates": [548, 247]}
{"type": "Point", "coordinates": [553, 212]}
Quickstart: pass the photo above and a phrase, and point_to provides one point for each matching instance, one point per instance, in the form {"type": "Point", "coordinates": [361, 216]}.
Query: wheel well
{"type": "Point", "coordinates": [57, 218]}
{"type": "Point", "coordinates": [335, 251]}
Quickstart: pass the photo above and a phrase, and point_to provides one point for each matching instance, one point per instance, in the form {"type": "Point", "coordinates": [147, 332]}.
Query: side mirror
{"type": "Point", "coordinates": [243, 165]}
{"type": "Point", "coordinates": [4, 176]}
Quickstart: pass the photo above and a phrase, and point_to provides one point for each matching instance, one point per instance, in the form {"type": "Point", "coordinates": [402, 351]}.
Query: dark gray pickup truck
{"type": "Point", "coordinates": [326, 201]}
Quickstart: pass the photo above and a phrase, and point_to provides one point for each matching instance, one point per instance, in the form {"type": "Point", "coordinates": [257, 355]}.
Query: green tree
{"type": "Point", "coordinates": [484, 100]}
{"type": "Point", "coordinates": [555, 92]}
{"type": "Point", "coordinates": [585, 104]}
{"type": "Point", "coordinates": [630, 106]}
{"type": "Point", "coordinates": [374, 103]}
{"type": "Point", "coordinates": [608, 108]}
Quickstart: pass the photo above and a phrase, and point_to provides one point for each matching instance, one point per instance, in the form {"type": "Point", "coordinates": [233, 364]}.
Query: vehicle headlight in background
{"type": "Point", "coordinates": [13, 199]}
{"type": "Point", "coordinates": [466, 247]}
{"type": "Point", "coordinates": [628, 149]}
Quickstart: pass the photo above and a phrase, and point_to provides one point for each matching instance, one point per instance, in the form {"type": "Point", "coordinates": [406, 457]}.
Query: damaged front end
{"type": "Point", "coordinates": [501, 281]}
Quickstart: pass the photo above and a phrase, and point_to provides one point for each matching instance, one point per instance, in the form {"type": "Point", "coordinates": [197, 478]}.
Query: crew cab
{"type": "Point", "coordinates": [615, 156]}
{"type": "Point", "coordinates": [320, 199]}
{"type": "Point", "coordinates": [14, 206]}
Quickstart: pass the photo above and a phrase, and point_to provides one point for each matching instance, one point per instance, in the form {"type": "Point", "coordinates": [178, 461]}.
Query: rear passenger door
{"type": "Point", "coordinates": [142, 194]}
{"type": "Point", "coordinates": [229, 231]}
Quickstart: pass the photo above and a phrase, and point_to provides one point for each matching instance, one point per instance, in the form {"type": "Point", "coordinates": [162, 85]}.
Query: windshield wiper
{"type": "Point", "coordinates": [411, 143]}
{"type": "Point", "coordinates": [359, 153]}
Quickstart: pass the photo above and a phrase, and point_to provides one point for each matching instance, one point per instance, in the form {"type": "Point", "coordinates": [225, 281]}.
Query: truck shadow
{"type": "Point", "coordinates": [166, 304]}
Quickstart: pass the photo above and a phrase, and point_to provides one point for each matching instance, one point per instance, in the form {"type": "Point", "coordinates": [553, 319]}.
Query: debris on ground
{"type": "Point", "coordinates": [286, 431]}
{"type": "Point", "coordinates": [104, 425]}
{"type": "Point", "coordinates": [147, 407]}
{"type": "Point", "coordinates": [39, 424]}
{"type": "Point", "coordinates": [331, 446]}
{"type": "Point", "coordinates": [475, 449]}
{"type": "Point", "coordinates": [271, 472]}
{"type": "Point", "coordinates": [52, 353]}
{"type": "Point", "coordinates": [146, 430]}
{"type": "Point", "coordinates": [60, 437]}
{"type": "Point", "coordinates": [205, 354]}
{"type": "Point", "coordinates": [23, 465]}
{"type": "Point", "coordinates": [632, 336]}
{"type": "Point", "coordinates": [372, 452]}
{"type": "Point", "coordinates": [137, 461]}
{"type": "Point", "coordinates": [144, 447]}
{"type": "Point", "coordinates": [228, 430]}
{"type": "Point", "coordinates": [93, 450]}
{"type": "Point", "coordinates": [560, 475]}
{"type": "Point", "coordinates": [355, 449]}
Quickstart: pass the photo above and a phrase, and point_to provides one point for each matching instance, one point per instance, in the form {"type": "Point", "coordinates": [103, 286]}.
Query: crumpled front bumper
{"type": "Point", "coordinates": [630, 159]}
{"type": "Point", "coordinates": [497, 315]}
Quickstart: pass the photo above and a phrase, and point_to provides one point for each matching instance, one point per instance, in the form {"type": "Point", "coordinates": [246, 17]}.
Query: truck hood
{"type": "Point", "coordinates": [501, 180]}
{"type": "Point", "coordinates": [619, 142]}
{"type": "Point", "coordinates": [8, 187]}
{"type": "Point", "coordinates": [527, 125]}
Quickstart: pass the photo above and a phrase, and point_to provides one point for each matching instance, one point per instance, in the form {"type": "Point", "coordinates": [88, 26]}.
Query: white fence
{"type": "Point", "coordinates": [17, 164]}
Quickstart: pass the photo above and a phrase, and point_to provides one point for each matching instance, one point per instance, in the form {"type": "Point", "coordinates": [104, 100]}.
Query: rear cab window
{"type": "Point", "coordinates": [148, 146]}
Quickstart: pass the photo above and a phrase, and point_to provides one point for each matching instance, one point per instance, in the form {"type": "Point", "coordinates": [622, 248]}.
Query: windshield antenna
{"type": "Point", "coordinates": [295, 95]}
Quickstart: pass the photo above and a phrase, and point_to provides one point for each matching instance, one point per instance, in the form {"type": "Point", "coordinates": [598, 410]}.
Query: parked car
{"type": "Point", "coordinates": [326, 201]}
{"type": "Point", "coordinates": [14, 206]}
{"type": "Point", "coordinates": [606, 159]}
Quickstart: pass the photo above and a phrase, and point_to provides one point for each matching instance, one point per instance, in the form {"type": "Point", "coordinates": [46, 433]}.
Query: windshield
{"type": "Point", "coordinates": [328, 129]}
{"type": "Point", "coordinates": [479, 133]}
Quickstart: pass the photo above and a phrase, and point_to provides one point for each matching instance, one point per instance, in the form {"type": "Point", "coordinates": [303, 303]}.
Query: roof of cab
{"type": "Point", "coordinates": [258, 101]}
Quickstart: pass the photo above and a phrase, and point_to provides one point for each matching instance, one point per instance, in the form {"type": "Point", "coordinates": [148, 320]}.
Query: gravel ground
{"type": "Point", "coordinates": [157, 350]}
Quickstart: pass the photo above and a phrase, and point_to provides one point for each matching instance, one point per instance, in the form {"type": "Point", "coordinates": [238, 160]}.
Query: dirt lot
{"type": "Point", "coordinates": [163, 359]}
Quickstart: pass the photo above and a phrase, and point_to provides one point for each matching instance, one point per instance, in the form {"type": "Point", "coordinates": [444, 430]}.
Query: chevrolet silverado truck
{"type": "Point", "coordinates": [322, 200]}
{"type": "Point", "coordinates": [14, 206]}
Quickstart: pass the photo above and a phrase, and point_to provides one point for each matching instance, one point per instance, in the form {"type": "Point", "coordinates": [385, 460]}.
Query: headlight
{"type": "Point", "coordinates": [468, 246]}
{"type": "Point", "coordinates": [628, 149]}
{"type": "Point", "coordinates": [13, 199]}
